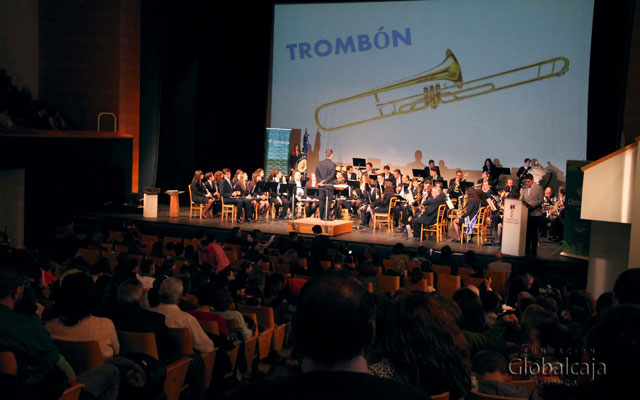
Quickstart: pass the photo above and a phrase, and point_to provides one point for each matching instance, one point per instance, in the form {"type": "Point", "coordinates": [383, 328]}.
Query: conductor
{"type": "Point", "coordinates": [326, 174]}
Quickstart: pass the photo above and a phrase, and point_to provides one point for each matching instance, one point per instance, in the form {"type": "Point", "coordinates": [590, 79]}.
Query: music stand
{"type": "Point", "coordinates": [420, 173]}
{"type": "Point", "coordinates": [272, 187]}
{"type": "Point", "coordinates": [359, 162]}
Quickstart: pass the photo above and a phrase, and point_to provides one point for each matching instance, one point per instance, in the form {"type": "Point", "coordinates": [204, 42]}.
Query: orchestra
{"type": "Point", "coordinates": [362, 191]}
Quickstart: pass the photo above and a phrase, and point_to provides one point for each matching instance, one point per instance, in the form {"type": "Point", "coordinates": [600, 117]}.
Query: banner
{"type": "Point", "coordinates": [577, 231]}
{"type": "Point", "coordinates": [277, 150]}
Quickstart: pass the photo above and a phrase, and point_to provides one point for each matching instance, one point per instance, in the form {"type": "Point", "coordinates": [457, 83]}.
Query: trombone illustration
{"type": "Point", "coordinates": [440, 85]}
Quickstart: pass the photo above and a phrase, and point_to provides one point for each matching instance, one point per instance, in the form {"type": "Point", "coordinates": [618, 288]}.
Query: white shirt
{"type": "Point", "coordinates": [147, 281]}
{"type": "Point", "coordinates": [176, 318]}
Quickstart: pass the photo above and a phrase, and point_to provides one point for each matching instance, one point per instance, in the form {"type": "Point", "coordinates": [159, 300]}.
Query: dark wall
{"type": "Point", "coordinates": [66, 175]}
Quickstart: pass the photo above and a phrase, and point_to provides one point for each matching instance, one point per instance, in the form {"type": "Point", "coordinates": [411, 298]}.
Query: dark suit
{"type": "Point", "coordinates": [243, 202]}
{"type": "Point", "coordinates": [226, 190]}
{"type": "Point", "coordinates": [325, 174]}
{"type": "Point", "coordinates": [430, 214]}
{"type": "Point", "coordinates": [453, 194]}
{"type": "Point", "coordinates": [351, 176]}
{"type": "Point", "coordinates": [427, 169]}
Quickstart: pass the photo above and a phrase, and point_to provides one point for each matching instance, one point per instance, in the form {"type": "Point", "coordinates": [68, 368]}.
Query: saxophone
{"type": "Point", "coordinates": [456, 184]}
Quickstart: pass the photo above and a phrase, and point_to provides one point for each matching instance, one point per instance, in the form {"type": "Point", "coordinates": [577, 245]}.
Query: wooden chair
{"type": "Point", "coordinates": [477, 228]}
{"type": "Point", "coordinates": [385, 218]}
{"type": "Point", "coordinates": [345, 214]}
{"type": "Point", "coordinates": [438, 227]}
{"type": "Point", "coordinates": [266, 318]}
{"type": "Point", "coordinates": [250, 344]}
{"type": "Point", "coordinates": [112, 257]}
{"type": "Point", "coordinates": [8, 363]}
{"type": "Point", "coordinates": [370, 288]}
{"type": "Point", "coordinates": [228, 211]}
{"type": "Point", "coordinates": [412, 265]}
{"type": "Point", "coordinates": [325, 265]}
{"type": "Point", "coordinates": [421, 286]}
{"type": "Point", "coordinates": [429, 276]}
{"type": "Point", "coordinates": [211, 327]}
{"type": "Point", "coordinates": [135, 342]}
{"type": "Point", "coordinates": [498, 279]}
{"type": "Point", "coordinates": [481, 396]}
{"type": "Point", "coordinates": [194, 209]}
{"type": "Point", "coordinates": [473, 281]}
{"type": "Point", "coordinates": [282, 268]}
{"type": "Point", "coordinates": [442, 269]}
{"type": "Point", "coordinates": [448, 284]}
{"type": "Point", "coordinates": [266, 265]}
{"type": "Point", "coordinates": [116, 236]}
{"type": "Point", "coordinates": [171, 239]}
{"type": "Point", "coordinates": [264, 337]}
{"type": "Point", "coordinates": [72, 393]}
{"type": "Point", "coordinates": [176, 372]}
{"type": "Point", "coordinates": [90, 255]}
{"type": "Point", "coordinates": [441, 396]}
{"type": "Point", "coordinates": [120, 248]}
{"type": "Point", "coordinates": [388, 263]}
{"type": "Point", "coordinates": [157, 261]}
{"type": "Point", "coordinates": [379, 270]}
{"type": "Point", "coordinates": [465, 271]}
{"type": "Point", "coordinates": [183, 338]}
{"type": "Point", "coordinates": [387, 283]}
{"type": "Point", "coordinates": [82, 356]}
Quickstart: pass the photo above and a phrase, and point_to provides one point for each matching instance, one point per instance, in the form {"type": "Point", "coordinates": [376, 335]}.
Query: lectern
{"type": "Point", "coordinates": [611, 200]}
{"type": "Point", "coordinates": [174, 203]}
{"type": "Point", "coordinates": [150, 202]}
{"type": "Point", "coordinates": [514, 227]}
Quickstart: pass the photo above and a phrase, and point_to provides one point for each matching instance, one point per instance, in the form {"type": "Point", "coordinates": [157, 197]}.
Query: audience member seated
{"type": "Point", "coordinates": [75, 303]}
{"type": "Point", "coordinates": [206, 300]}
{"type": "Point", "coordinates": [47, 372]}
{"type": "Point", "coordinates": [492, 370]}
{"type": "Point", "coordinates": [333, 363]}
{"type": "Point", "coordinates": [499, 264]}
{"type": "Point", "coordinates": [525, 283]}
{"type": "Point", "coordinates": [627, 287]}
{"type": "Point", "coordinates": [222, 301]}
{"type": "Point", "coordinates": [129, 316]}
{"type": "Point", "coordinates": [439, 358]}
{"type": "Point", "coordinates": [399, 259]}
{"type": "Point", "coordinates": [147, 274]}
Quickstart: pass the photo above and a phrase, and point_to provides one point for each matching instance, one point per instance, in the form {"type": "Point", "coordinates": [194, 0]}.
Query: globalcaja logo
{"type": "Point", "coordinates": [570, 372]}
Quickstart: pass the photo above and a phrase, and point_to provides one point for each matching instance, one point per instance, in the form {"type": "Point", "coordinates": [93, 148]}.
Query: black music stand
{"type": "Point", "coordinates": [420, 173]}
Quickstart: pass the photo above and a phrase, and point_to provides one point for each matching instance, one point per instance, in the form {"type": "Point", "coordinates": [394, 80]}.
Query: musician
{"type": "Point", "coordinates": [532, 196]}
{"type": "Point", "coordinates": [397, 179]}
{"type": "Point", "coordinates": [386, 174]}
{"type": "Point", "coordinates": [428, 214]}
{"type": "Point", "coordinates": [485, 178]}
{"type": "Point", "coordinates": [492, 170]}
{"type": "Point", "coordinates": [369, 170]}
{"type": "Point", "coordinates": [432, 166]}
{"type": "Point", "coordinates": [557, 223]}
{"type": "Point", "coordinates": [230, 196]}
{"type": "Point", "coordinates": [470, 217]}
{"type": "Point", "coordinates": [487, 189]}
{"type": "Point", "coordinates": [380, 183]}
{"type": "Point", "coordinates": [522, 171]}
{"type": "Point", "coordinates": [435, 177]}
{"type": "Point", "coordinates": [403, 206]}
{"type": "Point", "coordinates": [235, 177]}
{"type": "Point", "coordinates": [246, 202]}
{"type": "Point", "coordinates": [370, 195]}
{"type": "Point", "coordinates": [427, 192]}
{"type": "Point", "coordinates": [293, 158]}
{"type": "Point", "coordinates": [312, 205]}
{"type": "Point", "coordinates": [455, 186]}
{"type": "Point", "coordinates": [351, 175]}
{"type": "Point", "coordinates": [326, 175]}
{"type": "Point", "coordinates": [199, 194]}
{"type": "Point", "coordinates": [280, 202]}
{"type": "Point", "coordinates": [512, 191]}
{"type": "Point", "coordinates": [299, 191]}
{"type": "Point", "coordinates": [382, 204]}
{"type": "Point", "coordinates": [548, 211]}
{"type": "Point", "coordinates": [260, 198]}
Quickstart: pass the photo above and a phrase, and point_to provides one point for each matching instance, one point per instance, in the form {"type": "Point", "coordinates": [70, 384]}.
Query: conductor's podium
{"type": "Point", "coordinates": [329, 228]}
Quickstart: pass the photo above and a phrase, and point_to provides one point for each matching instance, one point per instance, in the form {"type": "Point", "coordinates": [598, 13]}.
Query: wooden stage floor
{"type": "Point", "coordinates": [163, 223]}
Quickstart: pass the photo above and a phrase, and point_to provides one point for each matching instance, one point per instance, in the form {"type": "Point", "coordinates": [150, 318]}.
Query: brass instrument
{"type": "Point", "coordinates": [456, 184]}
{"type": "Point", "coordinates": [442, 84]}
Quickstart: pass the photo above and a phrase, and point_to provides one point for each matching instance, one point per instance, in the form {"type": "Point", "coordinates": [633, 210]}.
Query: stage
{"type": "Point", "coordinates": [194, 227]}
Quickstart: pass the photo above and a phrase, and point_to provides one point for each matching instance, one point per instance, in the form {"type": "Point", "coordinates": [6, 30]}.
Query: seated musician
{"type": "Point", "coordinates": [397, 179]}
{"type": "Point", "coordinates": [435, 177]}
{"type": "Point", "coordinates": [386, 173]}
{"type": "Point", "coordinates": [485, 178]}
{"type": "Point", "coordinates": [199, 194]}
{"type": "Point", "coordinates": [260, 198]}
{"type": "Point", "coordinates": [244, 200]}
{"type": "Point", "coordinates": [487, 189]}
{"type": "Point", "coordinates": [370, 194]}
{"type": "Point", "coordinates": [432, 166]}
{"type": "Point", "coordinates": [342, 199]}
{"type": "Point", "coordinates": [299, 193]}
{"type": "Point", "coordinates": [351, 174]}
{"type": "Point", "coordinates": [426, 192]}
{"type": "Point", "coordinates": [235, 176]}
{"type": "Point", "coordinates": [548, 211]}
{"type": "Point", "coordinates": [403, 206]}
{"type": "Point", "coordinates": [314, 202]}
{"type": "Point", "coordinates": [512, 191]}
{"type": "Point", "coordinates": [470, 217]}
{"type": "Point", "coordinates": [369, 170]}
{"type": "Point", "coordinates": [380, 183]}
{"type": "Point", "coordinates": [381, 206]}
{"type": "Point", "coordinates": [492, 172]}
{"type": "Point", "coordinates": [455, 186]}
{"type": "Point", "coordinates": [212, 187]}
{"type": "Point", "coordinates": [277, 200]}
{"type": "Point", "coordinates": [227, 192]}
{"type": "Point", "coordinates": [428, 214]}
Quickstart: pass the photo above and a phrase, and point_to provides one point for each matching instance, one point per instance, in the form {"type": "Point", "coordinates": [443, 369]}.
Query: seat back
{"type": "Point", "coordinates": [529, 384]}
{"type": "Point", "coordinates": [82, 356]}
{"type": "Point", "coordinates": [482, 396]}
{"type": "Point", "coordinates": [135, 342]}
{"type": "Point", "coordinates": [72, 393]}
{"type": "Point", "coordinates": [8, 363]}
{"type": "Point", "coordinates": [263, 314]}
{"type": "Point", "coordinates": [441, 396]}
{"type": "Point", "coordinates": [442, 269]}
{"type": "Point", "coordinates": [176, 372]}
{"type": "Point", "coordinates": [442, 208]}
{"type": "Point", "coordinates": [183, 338]}
{"type": "Point", "coordinates": [191, 198]}
{"type": "Point", "coordinates": [387, 283]}
{"type": "Point", "coordinates": [210, 327]}
{"type": "Point", "coordinates": [465, 271]}
{"type": "Point", "coordinates": [420, 286]}
{"type": "Point", "coordinates": [448, 284]}
{"type": "Point", "coordinates": [473, 281]}
{"type": "Point", "coordinates": [90, 255]}
{"type": "Point", "coordinates": [498, 279]}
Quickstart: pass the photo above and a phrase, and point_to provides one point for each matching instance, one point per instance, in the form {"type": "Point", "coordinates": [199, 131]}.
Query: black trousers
{"type": "Point", "coordinates": [323, 200]}
{"type": "Point", "coordinates": [242, 204]}
{"type": "Point", "coordinates": [531, 242]}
